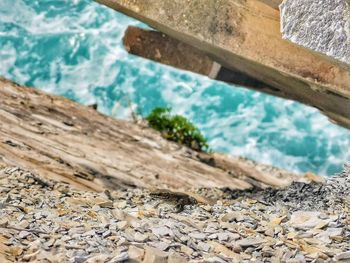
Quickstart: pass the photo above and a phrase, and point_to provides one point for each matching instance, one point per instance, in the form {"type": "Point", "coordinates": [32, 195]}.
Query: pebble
{"type": "Point", "coordinates": [23, 234]}
{"type": "Point", "coordinates": [176, 258]}
{"type": "Point", "coordinates": [199, 236]}
{"type": "Point", "coordinates": [89, 233]}
{"type": "Point", "coordinates": [135, 253]}
{"type": "Point", "coordinates": [153, 255]}
{"type": "Point", "coordinates": [204, 246]}
{"type": "Point", "coordinates": [122, 257]}
{"type": "Point", "coordinates": [162, 231]}
{"type": "Point", "coordinates": [140, 237]}
{"type": "Point", "coordinates": [3, 223]}
{"type": "Point", "coordinates": [250, 242]}
{"type": "Point", "coordinates": [187, 250]}
{"type": "Point", "coordinates": [306, 219]}
{"type": "Point", "coordinates": [343, 256]}
{"type": "Point", "coordinates": [98, 259]}
{"type": "Point", "coordinates": [78, 226]}
{"type": "Point", "coordinates": [227, 236]}
{"type": "Point", "coordinates": [161, 245]}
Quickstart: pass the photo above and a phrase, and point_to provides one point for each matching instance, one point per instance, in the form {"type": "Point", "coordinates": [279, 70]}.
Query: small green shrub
{"type": "Point", "coordinates": [177, 128]}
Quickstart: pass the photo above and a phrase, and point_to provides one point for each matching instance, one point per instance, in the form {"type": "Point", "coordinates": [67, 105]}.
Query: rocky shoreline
{"type": "Point", "coordinates": [332, 194]}
{"type": "Point", "coordinates": [78, 186]}
{"type": "Point", "coordinates": [68, 142]}
{"type": "Point", "coordinates": [47, 221]}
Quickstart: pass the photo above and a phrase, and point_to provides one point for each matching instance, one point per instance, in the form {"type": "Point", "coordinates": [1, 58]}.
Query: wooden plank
{"type": "Point", "coordinates": [273, 3]}
{"type": "Point", "coordinates": [62, 140]}
{"type": "Point", "coordinates": [245, 36]}
{"type": "Point", "coordinates": [161, 48]}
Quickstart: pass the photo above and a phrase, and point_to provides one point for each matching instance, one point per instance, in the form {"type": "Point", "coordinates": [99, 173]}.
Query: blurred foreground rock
{"type": "Point", "coordinates": [77, 186]}
{"type": "Point", "coordinates": [68, 142]}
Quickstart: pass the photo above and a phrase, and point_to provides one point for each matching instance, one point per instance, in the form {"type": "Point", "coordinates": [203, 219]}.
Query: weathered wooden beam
{"type": "Point", "coordinates": [245, 36]}
{"type": "Point", "coordinates": [64, 141]}
{"type": "Point", "coordinates": [273, 3]}
{"type": "Point", "coordinates": [161, 48]}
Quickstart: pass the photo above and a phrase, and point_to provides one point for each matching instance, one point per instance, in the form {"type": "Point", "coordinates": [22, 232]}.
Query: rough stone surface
{"type": "Point", "coordinates": [320, 25]}
{"type": "Point", "coordinates": [332, 195]}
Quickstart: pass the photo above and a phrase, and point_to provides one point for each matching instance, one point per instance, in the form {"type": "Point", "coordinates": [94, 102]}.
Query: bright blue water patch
{"type": "Point", "coordinates": [73, 48]}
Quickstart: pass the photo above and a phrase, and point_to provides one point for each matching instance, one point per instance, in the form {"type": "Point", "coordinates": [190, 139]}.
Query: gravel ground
{"type": "Point", "coordinates": [46, 221]}
{"type": "Point", "coordinates": [333, 195]}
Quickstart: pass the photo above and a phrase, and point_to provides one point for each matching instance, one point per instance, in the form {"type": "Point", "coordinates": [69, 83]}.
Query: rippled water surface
{"type": "Point", "coordinates": [73, 48]}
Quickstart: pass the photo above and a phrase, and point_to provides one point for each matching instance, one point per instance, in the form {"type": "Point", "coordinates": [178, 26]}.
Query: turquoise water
{"type": "Point", "coordinates": [73, 48]}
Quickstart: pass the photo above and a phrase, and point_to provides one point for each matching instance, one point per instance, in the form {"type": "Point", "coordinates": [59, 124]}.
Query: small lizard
{"type": "Point", "coordinates": [175, 198]}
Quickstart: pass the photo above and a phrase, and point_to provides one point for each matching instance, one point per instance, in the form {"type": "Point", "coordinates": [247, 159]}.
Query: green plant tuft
{"type": "Point", "coordinates": [177, 128]}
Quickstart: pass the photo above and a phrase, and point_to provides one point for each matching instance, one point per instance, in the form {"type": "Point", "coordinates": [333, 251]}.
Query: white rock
{"type": "Point", "coordinates": [122, 257]}
{"type": "Point", "coordinates": [162, 231]}
{"type": "Point", "coordinates": [227, 236]}
{"type": "Point", "coordinates": [343, 256]}
{"type": "Point", "coordinates": [176, 258]}
{"type": "Point", "coordinates": [161, 245]}
{"type": "Point", "coordinates": [98, 259]}
{"type": "Point", "coordinates": [197, 235]}
{"type": "Point", "coordinates": [122, 225]}
{"type": "Point", "coordinates": [306, 219]}
{"type": "Point", "coordinates": [140, 237]}
{"type": "Point", "coordinates": [215, 260]}
{"type": "Point", "coordinates": [23, 234]}
{"type": "Point", "coordinates": [213, 236]}
{"type": "Point", "coordinates": [250, 242]}
{"type": "Point", "coordinates": [204, 246]}
{"type": "Point", "coordinates": [135, 254]}
{"type": "Point", "coordinates": [154, 255]}
{"type": "Point", "coordinates": [187, 250]}
{"type": "Point", "coordinates": [89, 233]}
{"type": "Point", "coordinates": [326, 236]}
